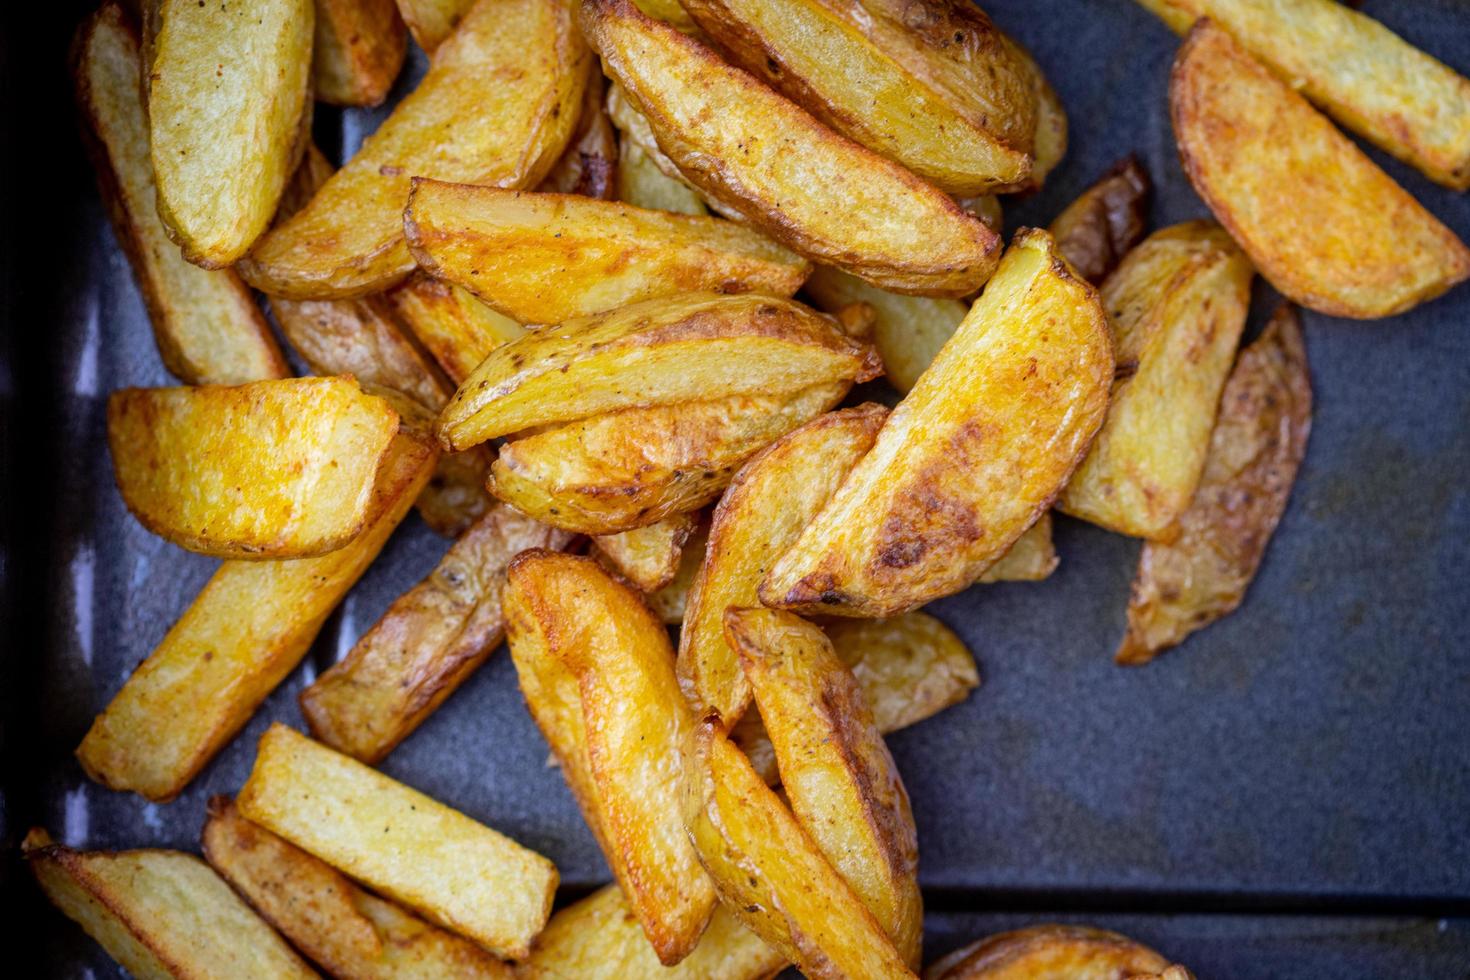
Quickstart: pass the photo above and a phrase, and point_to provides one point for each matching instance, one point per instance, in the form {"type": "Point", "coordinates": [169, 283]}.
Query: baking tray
{"type": "Point", "coordinates": [1309, 755]}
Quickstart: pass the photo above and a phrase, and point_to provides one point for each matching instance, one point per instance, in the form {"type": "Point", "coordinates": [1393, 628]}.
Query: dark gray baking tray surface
{"type": "Point", "coordinates": [1310, 753]}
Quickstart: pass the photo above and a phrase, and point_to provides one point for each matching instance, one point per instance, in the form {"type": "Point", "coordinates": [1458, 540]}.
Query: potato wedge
{"type": "Point", "coordinates": [769, 872]}
{"type": "Point", "coordinates": [414, 850]}
{"type": "Point", "coordinates": [766, 507]}
{"type": "Point", "coordinates": [1075, 952]}
{"type": "Point", "coordinates": [613, 664]}
{"type": "Point", "coordinates": [431, 21]}
{"type": "Point", "coordinates": [227, 102]}
{"type": "Point", "coordinates": [358, 51]}
{"type": "Point", "coordinates": [1173, 972]}
{"type": "Point", "coordinates": [973, 455]}
{"type": "Point", "coordinates": [427, 643]}
{"type": "Point", "coordinates": [548, 258]}
{"type": "Point", "coordinates": [349, 931]}
{"type": "Point", "coordinates": [1259, 441]}
{"type": "Point", "coordinates": [160, 914]}
{"type": "Point", "coordinates": [670, 602]}
{"type": "Point", "coordinates": [1177, 305]}
{"type": "Point", "coordinates": [660, 352]}
{"type": "Point", "coordinates": [787, 174]}
{"type": "Point", "coordinates": [673, 193]}
{"type": "Point", "coordinates": [840, 780]}
{"type": "Point", "coordinates": [648, 557]}
{"type": "Point", "coordinates": [207, 325]}
{"type": "Point", "coordinates": [589, 164]}
{"type": "Point", "coordinates": [639, 466]}
{"type": "Point", "coordinates": [457, 329]}
{"type": "Point", "coordinates": [247, 629]}
{"type": "Point", "coordinates": [271, 469]}
{"type": "Point", "coordinates": [1032, 558]}
{"type": "Point", "coordinates": [643, 185]}
{"type": "Point", "coordinates": [498, 106]}
{"type": "Point", "coordinates": [1095, 231]}
{"type": "Point", "coordinates": [1050, 143]}
{"type": "Point", "coordinates": [455, 496]}
{"type": "Point", "coordinates": [1354, 244]}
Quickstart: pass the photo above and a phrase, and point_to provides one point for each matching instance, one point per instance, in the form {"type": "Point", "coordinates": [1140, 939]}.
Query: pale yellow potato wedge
{"type": "Point", "coordinates": [1258, 443]}
{"type": "Point", "coordinates": [457, 329]}
{"type": "Point", "coordinates": [614, 665]}
{"type": "Point", "coordinates": [1095, 231]}
{"type": "Point", "coordinates": [206, 323]}
{"type": "Point", "coordinates": [1046, 951]}
{"type": "Point", "coordinates": [642, 184]}
{"type": "Point", "coordinates": [764, 157]}
{"type": "Point", "coordinates": [271, 469]}
{"type": "Point", "coordinates": [1321, 221]}
{"type": "Point", "coordinates": [245, 631]}
{"type": "Point", "coordinates": [648, 557]}
{"type": "Point", "coordinates": [227, 107]}
{"type": "Point", "coordinates": [972, 456]}
{"type": "Point", "coordinates": [1177, 305]}
{"type": "Point", "coordinates": [358, 51]}
{"type": "Point", "coordinates": [660, 352]}
{"type": "Point", "coordinates": [498, 106]}
{"type": "Point", "coordinates": [670, 602]}
{"type": "Point", "coordinates": [589, 164]}
{"type": "Point", "coordinates": [427, 643]}
{"type": "Point", "coordinates": [160, 914]}
{"type": "Point", "coordinates": [1032, 558]}
{"type": "Point", "coordinates": [760, 516]}
{"type": "Point", "coordinates": [548, 258]}
{"type": "Point", "coordinates": [349, 931]}
{"type": "Point", "coordinates": [839, 778]}
{"type": "Point", "coordinates": [431, 21]}
{"type": "Point", "coordinates": [414, 850]}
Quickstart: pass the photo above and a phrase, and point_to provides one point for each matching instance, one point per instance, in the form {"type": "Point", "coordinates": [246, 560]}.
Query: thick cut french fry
{"type": "Point", "coordinates": [973, 455]}
{"type": "Point", "coordinates": [427, 643]}
{"type": "Point", "coordinates": [358, 51]}
{"type": "Point", "coordinates": [589, 165]}
{"type": "Point", "coordinates": [1106, 221]}
{"type": "Point", "coordinates": [586, 644]}
{"type": "Point", "coordinates": [649, 557]}
{"type": "Point", "coordinates": [1177, 305]}
{"type": "Point", "coordinates": [349, 931]}
{"type": "Point", "coordinates": [397, 841]}
{"type": "Point", "coordinates": [1032, 558]}
{"type": "Point", "coordinates": [457, 329]}
{"type": "Point", "coordinates": [763, 156]}
{"type": "Point", "coordinates": [497, 107]}
{"type": "Point", "coordinates": [161, 914]}
{"type": "Point", "coordinates": [1321, 221]}
{"type": "Point", "coordinates": [670, 602]}
{"type": "Point", "coordinates": [547, 258]}
{"type": "Point", "coordinates": [1078, 952]}
{"type": "Point", "coordinates": [247, 629]}
{"type": "Point", "coordinates": [1258, 444]}
{"type": "Point", "coordinates": [207, 325]}
{"type": "Point", "coordinates": [432, 21]}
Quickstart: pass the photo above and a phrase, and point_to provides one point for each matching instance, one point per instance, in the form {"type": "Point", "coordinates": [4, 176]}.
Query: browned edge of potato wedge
{"type": "Point", "coordinates": [1050, 143]}
{"type": "Point", "coordinates": [1048, 951]}
{"type": "Point", "coordinates": [670, 602]}
{"type": "Point", "coordinates": [589, 164]}
{"type": "Point", "coordinates": [648, 557]}
{"type": "Point", "coordinates": [1096, 230]}
{"type": "Point", "coordinates": [458, 330]}
{"type": "Point", "coordinates": [358, 51]}
{"type": "Point", "coordinates": [431, 21]}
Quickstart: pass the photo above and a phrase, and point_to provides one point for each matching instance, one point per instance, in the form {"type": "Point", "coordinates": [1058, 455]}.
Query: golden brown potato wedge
{"type": "Point", "coordinates": [1321, 221]}
{"type": "Point", "coordinates": [207, 325]}
{"type": "Point", "coordinates": [840, 780]}
{"type": "Point", "coordinates": [412, 849]}
{"type": "Point", "coordinates": [428, 642]}
{"type": "Point", "coordinates": [498, 106]}
{"type": "Point", "coordinates": [1074, 952]}
{"type": "Point", "coordinates": [431, 21]}
{"type": "Point", "coordinates": [1050, 143]}
{"type": "Point", "coordinates": [1259, 441]}
{"type": "Point", "coordinates": [1177, 305]}
{"type": "Point", "coordinates": [589, 164]}
{"type": "Point", "coordinates": [649, 557]}
{"type": "Point", "coordinates": [227, 102]}
{"type": "Point", "coordinates": [696, 346]}
{"type": "Point", "coordinates": [1178, 20]}
{"type": "Point", "coordinates": [271, 469]}
{"type": "Point", "coordinates": [548, 258]}
{"type": "Point", "coordinates": [973, 455]}
{"type": "Point", "coordinates": [160, 914]}
{"type": "Point", "coordinates": [670, 602]}
{"type": "Point", "coordinates": [787, 174]}
{"type": "Point", "coordinates": [247, 629]}
{"type": "Point", "coordinates": [358, 51]}
{"type": "Point", "coordinates": [1032, 558]}
{"type": "Point", "coordinates": [1106, 221]}
{"type": "Point", "coordinates": [767, 505]}
{"type": "Point", "coordinates": [1173, 972]}
{"type": "Point", "coordinates": [612, 663]}
{"type": "Point", "coordinates": [349, 931]}
{"type": "Point", "coordinates": [987, 208]}
{"type": "Point", "coordinates": [457, 329]}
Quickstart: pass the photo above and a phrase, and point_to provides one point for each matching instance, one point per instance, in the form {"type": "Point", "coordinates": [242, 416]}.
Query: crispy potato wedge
{"type": "Point", "coordinates": [838, 776]}
{"type": "Point", "coordinates": [642, 184]}
{"type": "Point", "coordinates": [1050, 143]}
{"type": "Point", "coordinates": [770, 873]}
{"type": "Point", "coordinates": [673, 193]}
{"type": "Point", "coordinates": [160, 914]}
{"type": "Point", "coordinates": [649, 557]}
{"type": "Point", "coordinates": [1258, 443]}
{"type": "Point", "coordinates": [227, 105]}
{"type": "Point", "coordinates": [412, 849]}
{"type": "Point", "coordinates": [1173, 972]}
{"type": "Point", "coordinates": [1177, 305]}
{"type": "Point", "coordinates": [1351, 243]}
{"type": "Point", "coordinates": [766, 507]}
{"type": "Point", "coordinates": [349, 931]}
{"type": "Point", "coordinates": [548, 258]}
{"type": "Point", "coordinates": [787, 174]}
{"type": "Point", "coordinates": [670, 602]}
{"type": "Point", "coordinates": [428, 642]}
{"type": "Point", "coordinates": [271, 469]}
{"type": "Point", "coordinates": [614, 665]}
{"type": "Point", "coordinates": [973, 455]}
{"type": "Point", "coordinates": [1095, 231]}
{"type": "Point", "coordinates": [660, 352]}
{"type": "Point", "coordinates": [431, 21]}
{"type": "Point", "coordinates": [457, 329]}
{"type": "Point", "coordinates": [1074, 952]}
{"type": "Point", "coordinates": [207, 325]}
{"type": "Point", "coordinates": [455, 496]}
{"type": "Point", "coordinates": [247, 629]}
{"type": "Point", "coordinates": [987, 208]}
{"type": "Point", "coordinates": [1032, 558]}
{"type": "Point", "coordinates": [358, 51]}
{"type": "Point", "coordinates": [498, 106]}
{"type": "Point", "coordinates": [589, 165]}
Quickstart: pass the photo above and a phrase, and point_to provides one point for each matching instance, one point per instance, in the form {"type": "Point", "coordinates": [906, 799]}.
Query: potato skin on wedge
{"type": "Point", "coordinates": [589, 164]}
{"type": "Point", "coordinates": [1047, 951]}
{"type": "Point", "coordinates": [971, 457]}
{"type": "Point", "coordinates": [358, 51]}
{"type": "Point", "coordinates": [649, 557]}
{"type": "Point", "coordinates": [1099, 228]}
{"type": "Point", "coordinates": [1321, 221]}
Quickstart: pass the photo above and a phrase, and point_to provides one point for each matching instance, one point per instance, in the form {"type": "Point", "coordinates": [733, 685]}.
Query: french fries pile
{"type": "Point", "coordinates": [559, 301]}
